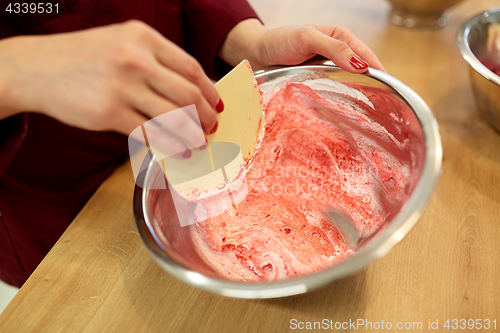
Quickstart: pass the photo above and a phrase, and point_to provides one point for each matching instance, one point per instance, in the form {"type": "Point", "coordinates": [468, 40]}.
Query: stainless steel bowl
{"type": "Point", "coordinates": [420, 13]}
{"type": "Point", "coordinates": [472, 38]}
{"type": "Point", "coordinates": [171, 245]}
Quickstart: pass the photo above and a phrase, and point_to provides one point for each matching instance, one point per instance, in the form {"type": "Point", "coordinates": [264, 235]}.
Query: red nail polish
{"type": "Point", "coordinates": [215, 128]}
{"type": "Point", "coordinates": [358, 63]}
{"type": "Point", "coordinates": [220, 106]}
{"type": "Point", "coordinates": [186, 154]}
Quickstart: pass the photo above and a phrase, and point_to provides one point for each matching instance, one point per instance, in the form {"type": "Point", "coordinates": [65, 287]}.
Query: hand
{"type": "Point", "coordinates": [293, 45]}
{"type": "Point", "coordinates": [111, 78]}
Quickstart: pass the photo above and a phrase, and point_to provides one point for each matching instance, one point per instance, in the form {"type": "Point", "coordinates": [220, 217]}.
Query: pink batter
{"type": "Point", "coordinates": [491, 65]}
{"type": "Point", "coordinates": [277, 231]}
{"type": "Point", "coordinates": [491, 61]}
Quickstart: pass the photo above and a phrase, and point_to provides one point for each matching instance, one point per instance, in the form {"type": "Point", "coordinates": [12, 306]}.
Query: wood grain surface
{"type": "Point", "coordinates": [99, 277]}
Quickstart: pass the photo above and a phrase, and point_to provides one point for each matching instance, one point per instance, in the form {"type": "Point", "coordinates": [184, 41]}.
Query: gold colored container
{"type": "Point", "coordinates": [420, 13]}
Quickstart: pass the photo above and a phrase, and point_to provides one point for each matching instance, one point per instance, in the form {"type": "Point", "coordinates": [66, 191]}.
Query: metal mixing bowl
{"type": "Point", "coordinates": [420, 13]}
{"type": "Point", "coordinates": [472, 40]}
{"type": "Point", "coordinates": [171, 245]}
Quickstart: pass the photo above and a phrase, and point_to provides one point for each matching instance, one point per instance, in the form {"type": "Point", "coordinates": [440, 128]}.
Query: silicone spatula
{"type": "Point", "coordinates": [242, 120]}
{"type": "Point", "coordinates": [235, 142]}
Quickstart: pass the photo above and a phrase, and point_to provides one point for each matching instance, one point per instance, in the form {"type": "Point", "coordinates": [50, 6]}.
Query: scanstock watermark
{"type": "Point", "coordinates": [370, 326]}
{"type": "Point", "coordinates": [328, 324]}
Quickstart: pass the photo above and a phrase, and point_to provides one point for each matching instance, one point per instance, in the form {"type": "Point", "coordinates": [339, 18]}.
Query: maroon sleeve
{"type": "Point", "coordinates": [207, 24]}
{"type": "Point", "coordinates": [12, 133]}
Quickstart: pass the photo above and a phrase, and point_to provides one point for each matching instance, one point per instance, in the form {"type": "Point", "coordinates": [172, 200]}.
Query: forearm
{"type": "Point", "coordinates": [244, 41]}
{"type": "Point", "coordinates": [293, 45]}
{"type": "Point", "coordinates": [110, 78]}
{"type": "Point", "coordinates": [5, 111]}
{"type": "Point", "coordinates": [8, 90]}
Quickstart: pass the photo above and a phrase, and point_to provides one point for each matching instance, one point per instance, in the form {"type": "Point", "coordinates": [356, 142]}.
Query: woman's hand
{"type": "Point", "coordinates": [112, 78]}
{"type": "Point", "coordinates": [295, 44]}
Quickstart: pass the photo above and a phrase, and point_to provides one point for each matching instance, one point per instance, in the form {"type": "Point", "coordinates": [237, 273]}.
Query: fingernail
{"type": "Point", "coordinates": [186, 154]}
{"type": "Point", "coordinates": [215, 128]}
{"type": "Point", "coordinates": [358, 63]}
{"type": "Point", "coordinates": [220, 106]}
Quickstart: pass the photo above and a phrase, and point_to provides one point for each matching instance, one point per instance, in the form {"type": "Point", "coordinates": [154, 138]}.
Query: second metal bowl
{"type": "Point", "coordinates": [472, 39]}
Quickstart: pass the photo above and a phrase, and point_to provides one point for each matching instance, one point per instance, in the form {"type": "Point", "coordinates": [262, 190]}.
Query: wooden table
{"type": "Point", "coordinates": [99, 277]}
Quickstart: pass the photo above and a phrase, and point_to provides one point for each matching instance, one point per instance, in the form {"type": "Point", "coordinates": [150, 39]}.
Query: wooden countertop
{"type": "Point", "coordinates": [99, 277]}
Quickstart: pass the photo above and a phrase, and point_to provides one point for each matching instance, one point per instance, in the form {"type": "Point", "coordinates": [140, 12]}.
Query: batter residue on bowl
{"type": "Point", "coordinates": [353, 163]}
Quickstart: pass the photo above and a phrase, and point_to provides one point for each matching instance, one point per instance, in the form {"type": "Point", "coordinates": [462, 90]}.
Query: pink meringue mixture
{"type": "Point", "coordinates": [306, 163]}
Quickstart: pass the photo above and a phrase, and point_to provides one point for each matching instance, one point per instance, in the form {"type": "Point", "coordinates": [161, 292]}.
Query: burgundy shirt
{"type": "Point", "coordinates": [49, 170]}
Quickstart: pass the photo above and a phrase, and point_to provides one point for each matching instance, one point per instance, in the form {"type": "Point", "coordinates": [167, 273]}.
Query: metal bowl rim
{"type": "Point", "coordinates": [463, 44]}
{"type": "Point", "coordinates": [398, 228]}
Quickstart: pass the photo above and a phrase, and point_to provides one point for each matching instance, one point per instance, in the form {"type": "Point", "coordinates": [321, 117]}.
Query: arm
{"type": "Point", "coordinates": [111, 78]}
{"type": "Point", "coordinates": [295, 44]}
